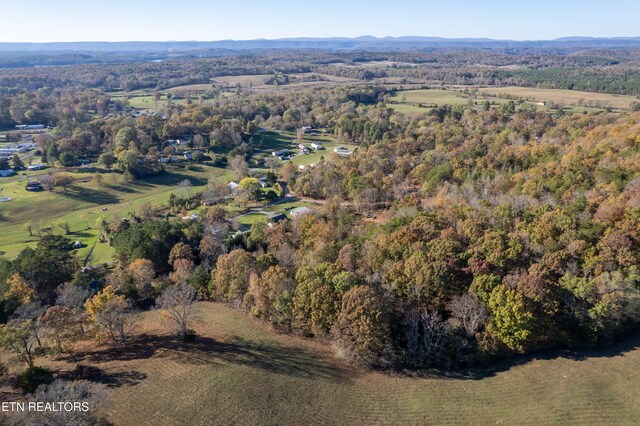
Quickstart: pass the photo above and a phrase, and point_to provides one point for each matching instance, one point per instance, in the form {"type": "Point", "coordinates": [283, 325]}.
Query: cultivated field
{"type": "Point", "coordinates": [241, 372]}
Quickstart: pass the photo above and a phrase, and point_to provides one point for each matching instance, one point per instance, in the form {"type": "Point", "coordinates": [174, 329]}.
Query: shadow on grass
{"type": "Point", "coordinates": [81, 234]}
{"type": "Point", "coordinates": [88, 170]}
{"type": "Point", "coordinates": [90, 196]}
{"type": "Point", "coordinates": [97, 375]}
{"type": "Point", "coordinates": [287, 360]}
{"type": "Point", "coordinates": [122, 188]}
{"type": "Point", "coordinates": [170, 179]}
{"type": "Point", "coordinates": [617, 349]}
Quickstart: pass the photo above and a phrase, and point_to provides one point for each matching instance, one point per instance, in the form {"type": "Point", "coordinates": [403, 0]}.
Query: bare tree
{"type": "Point", "coordinates": [239, 166]}
{"type": "Point", "coordinates": [61, 324]}
{"type": "Point", "coordinates": [273, 163]}
{"type": "Point", "coordinates": [177, 302]}
{"type": "Point", "coordinates": [47, 182]}
{"type": "Point", "coordinates": [147, 211]}
{"type": "Point", "coordinates": [31, 313]}
{"type": "Point", "coordinates": [215, 192]}
{"type": "Point", "coordinates": [118, 318]}
{"type": "Point", "coordinates": [18, 336]}
{"type": "Point", "coordinates": [469, 312]}
{"type": "Point", "coordinates": [425, 333]}
{"type": "Point", "coordinates": [72, 296]}
{"type": "Point", "coordinates": [185, 188]}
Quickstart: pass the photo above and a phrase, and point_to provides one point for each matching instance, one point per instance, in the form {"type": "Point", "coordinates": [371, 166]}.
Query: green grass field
{"type": "Point", "coordinates": [430, 97]}
{"type": "Point", "coordinates": [251, 218]}
{"type": "Point", "coordinates": [569, 97]}
{"type": "Point", "coordinates": [423, 100]}
{"type": "Point", "coordinates": [268, 142]}
{"type": "Point", "coordinates": [239, 371]}
{"type": "Point", "coordinates": [81, 205]}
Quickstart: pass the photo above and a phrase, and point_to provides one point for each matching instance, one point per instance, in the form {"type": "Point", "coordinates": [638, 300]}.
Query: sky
{"type": "Point", "coordinates": [163, 20]}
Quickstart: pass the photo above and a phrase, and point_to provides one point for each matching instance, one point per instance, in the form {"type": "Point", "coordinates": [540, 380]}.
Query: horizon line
{"type": "Point", "coordinates": [310, 38]}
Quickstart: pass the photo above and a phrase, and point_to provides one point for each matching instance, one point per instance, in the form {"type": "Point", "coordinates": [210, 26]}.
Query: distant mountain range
{"type": "Point", "coordinates": [334, 43]}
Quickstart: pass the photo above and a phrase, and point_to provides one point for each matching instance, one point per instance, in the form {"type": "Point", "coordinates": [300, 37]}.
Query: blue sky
{"type": "Point", "coordinates": [122, 20]}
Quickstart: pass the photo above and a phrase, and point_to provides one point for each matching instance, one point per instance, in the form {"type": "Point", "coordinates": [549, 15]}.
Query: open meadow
{"type": "Point", "coordinates": [423, 100]}
{"type": "Point", "coordinates": [567, 97]}
{"type": "Point", "coordinates": [239, 371]}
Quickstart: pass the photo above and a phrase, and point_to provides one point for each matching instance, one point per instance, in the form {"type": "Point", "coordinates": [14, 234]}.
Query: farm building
{"type": "Point", "coordinates": [233, 185]}
{"type": "Point", "coordinates": [188, 155]}
{"type": "Point", "coordinates": [342, 151]}
{"type": "Point", "coordinates": [280, 153]}
{"type": "Point", "coordinates": [275, 219]}
{"type": "Point", "coordinates": [6, 173]}
{"type": "Point", "coordinates": [30, 126]}
{"type": "Point", "coordinates": [16, 148]}
{"type": "Point", "coordinates": [317, 146]}
{"type": "Point", "coordinates": [300, 211]}
{"type": "Point", "coordinates": [39, 166]}
{"type": "Point", "coordinates": [33, 186]}
{"type": "Point", "coordinates": [4, 138]}
{"type": "Point", "coordinates": [307, 129]}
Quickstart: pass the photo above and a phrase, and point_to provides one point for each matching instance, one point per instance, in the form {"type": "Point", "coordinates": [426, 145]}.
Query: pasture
{"type": "Point", "coordinates": [82, 203]}
{"type": "Point", "coordinates": [300, 80]}
{"type": "Point", "coordinates": [239, 371]}
{"type": "Point", "coordinates": [423, 100]}
{"type": "Point", "coordinates": [567, 97]}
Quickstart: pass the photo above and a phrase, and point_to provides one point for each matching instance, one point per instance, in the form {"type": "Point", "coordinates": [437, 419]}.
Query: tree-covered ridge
{"type": "Point", "coordinates": [613, 70]}
{"type": "Point", "coordinates": [447, 239]}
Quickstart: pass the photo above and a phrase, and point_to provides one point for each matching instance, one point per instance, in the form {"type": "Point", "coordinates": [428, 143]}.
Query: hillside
{"type": "Point", "coordinates": [241, 372]}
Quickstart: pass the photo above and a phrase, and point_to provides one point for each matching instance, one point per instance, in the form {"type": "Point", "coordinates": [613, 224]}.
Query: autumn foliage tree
{"type": "Point", "coordinates": [112, 314]}
{"type": "Point", "coordinates": [362, 328]}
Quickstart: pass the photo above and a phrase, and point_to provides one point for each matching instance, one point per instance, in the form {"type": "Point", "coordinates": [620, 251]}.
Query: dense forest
{"type": "Point", "coordinates": [613, 70]}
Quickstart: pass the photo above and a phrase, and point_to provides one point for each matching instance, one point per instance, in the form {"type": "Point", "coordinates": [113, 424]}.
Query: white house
{"type": "Point", "coordinates": [233, 185]}
{"type": "Point", "coordinates": [317, 146]}
{"type": "Point", "coordinates": [17, 148]}
{"type": "Point", "coordinates": [300, 211]}
{"type": "Point", "coordinates": [30, 126]}
{"type": "Point", "coordinates": [342, 151]}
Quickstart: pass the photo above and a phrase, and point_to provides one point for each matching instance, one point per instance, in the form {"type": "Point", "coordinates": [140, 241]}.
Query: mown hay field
{"type": "Point", "coordinates": [239, 371]}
